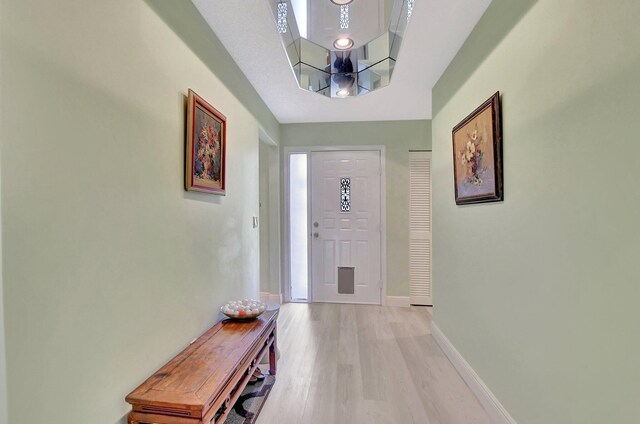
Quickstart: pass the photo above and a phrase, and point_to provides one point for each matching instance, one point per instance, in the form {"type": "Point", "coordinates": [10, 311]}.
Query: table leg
{"type": "Point", "coordinates": [273, 351]}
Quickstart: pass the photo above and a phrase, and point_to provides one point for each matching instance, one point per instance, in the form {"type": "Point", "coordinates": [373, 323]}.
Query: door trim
{"type": "Point", "coordinates": [273, 233]}
{"type": "Point", "coordinates": [288, 150]}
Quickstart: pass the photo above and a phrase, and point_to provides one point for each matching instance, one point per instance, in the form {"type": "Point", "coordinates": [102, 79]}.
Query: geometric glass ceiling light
{"type": "Point", "coordinates": [342, 48]}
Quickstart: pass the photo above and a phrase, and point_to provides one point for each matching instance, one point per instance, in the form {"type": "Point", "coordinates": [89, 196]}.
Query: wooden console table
{"type": "Point", "coordinates": [201, 384]}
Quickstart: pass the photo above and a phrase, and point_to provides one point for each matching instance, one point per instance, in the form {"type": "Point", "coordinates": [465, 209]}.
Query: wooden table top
{"type": "Point", "coordinates": [195, 377]}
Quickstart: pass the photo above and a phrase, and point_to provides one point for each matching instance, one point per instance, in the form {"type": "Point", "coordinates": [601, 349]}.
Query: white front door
{"type": "Point", "coordinates": [346, 227]}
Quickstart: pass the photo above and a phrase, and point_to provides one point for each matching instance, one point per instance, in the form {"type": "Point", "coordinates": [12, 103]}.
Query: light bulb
{"type": "Point", "coordinates": [343, 43]}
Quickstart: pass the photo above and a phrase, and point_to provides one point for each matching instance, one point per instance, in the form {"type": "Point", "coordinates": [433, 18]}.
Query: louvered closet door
{"type": "Point", "coordinates": [420, 228]}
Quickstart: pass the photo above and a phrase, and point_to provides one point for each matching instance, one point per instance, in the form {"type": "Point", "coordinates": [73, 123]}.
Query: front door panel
{"type": "Point", "coordinates": [345, 226]}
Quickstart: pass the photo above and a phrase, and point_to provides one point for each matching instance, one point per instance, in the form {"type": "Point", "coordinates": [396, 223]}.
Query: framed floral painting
{"type": "Point", "coordinates": [206, 145]}
{"type": "Point", "coordinates": [477, 155]}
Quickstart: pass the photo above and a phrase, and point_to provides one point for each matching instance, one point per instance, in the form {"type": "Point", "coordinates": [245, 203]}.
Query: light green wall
{"type": "Point", "coordinates": [110, 267]}
{"type": "Point", "coordinates": [187, 23]}
{"type": "Point", "coordinates": [3, 370]}
{"type": "Point", "coordinates": [399, 137]}
{"type": "Point", "coordinates": [4, 418]}
{"type": "Point", "coordinates": [539, 293]}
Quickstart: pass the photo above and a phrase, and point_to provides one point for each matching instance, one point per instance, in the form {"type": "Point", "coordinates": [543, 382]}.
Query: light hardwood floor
{"type": "Point", "coordinates": [364, 364]}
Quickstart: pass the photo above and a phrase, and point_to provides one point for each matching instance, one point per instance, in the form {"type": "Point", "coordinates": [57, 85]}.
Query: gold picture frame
{"type": "Point", "coordinates": [205, 153]}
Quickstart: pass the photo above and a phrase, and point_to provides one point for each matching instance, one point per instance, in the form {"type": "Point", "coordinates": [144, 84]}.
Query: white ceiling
{"type": "Point", "coordinates": [437, 30]}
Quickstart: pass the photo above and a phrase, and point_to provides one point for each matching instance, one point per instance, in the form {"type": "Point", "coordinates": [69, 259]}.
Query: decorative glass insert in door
{"type": "Point", "coordinates": [345, 194]}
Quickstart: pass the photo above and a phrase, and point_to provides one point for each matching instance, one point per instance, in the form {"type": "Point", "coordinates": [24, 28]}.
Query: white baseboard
{"type": "Point", "coordinates": [271, 298]}
{"type": "Point", "coordinates": [398, 301]}
{"type": "Point", "coordinates": [491, 404]}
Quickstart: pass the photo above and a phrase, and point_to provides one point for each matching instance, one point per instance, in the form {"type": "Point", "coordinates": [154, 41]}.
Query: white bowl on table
{"type": "Point", "coordinates": [246, 309]}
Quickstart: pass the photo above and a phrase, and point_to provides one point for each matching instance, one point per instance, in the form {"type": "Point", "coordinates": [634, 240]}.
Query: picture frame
{"type": "Point", "coordinates": [477, 155]}
{"type": "Point", "coordinates": [205, 153]}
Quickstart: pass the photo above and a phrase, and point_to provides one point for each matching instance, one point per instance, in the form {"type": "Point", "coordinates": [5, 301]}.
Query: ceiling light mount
{"type": "Point", "coordinates": [341, 57]}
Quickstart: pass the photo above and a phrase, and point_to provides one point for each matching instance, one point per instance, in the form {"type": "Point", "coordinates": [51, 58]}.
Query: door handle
{"type": "Point", "coordinates": [316, 235]}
